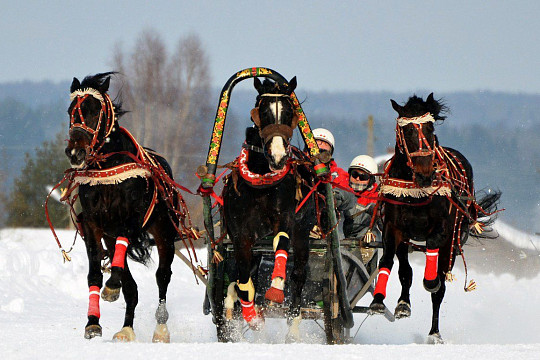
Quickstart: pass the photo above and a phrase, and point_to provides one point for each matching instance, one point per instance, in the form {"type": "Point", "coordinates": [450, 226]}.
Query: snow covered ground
{"type": "Point", "coordinates": [43, 304]}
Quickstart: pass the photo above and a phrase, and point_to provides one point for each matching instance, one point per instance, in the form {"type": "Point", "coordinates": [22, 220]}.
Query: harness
{"type": "Point", "coordinates": [144, 164]}
{"type": "Point", "coordinates": [450, 181]}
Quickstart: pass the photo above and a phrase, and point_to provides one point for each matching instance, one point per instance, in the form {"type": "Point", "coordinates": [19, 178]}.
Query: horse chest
{"type": "Point", "coordinates": [106, 204]}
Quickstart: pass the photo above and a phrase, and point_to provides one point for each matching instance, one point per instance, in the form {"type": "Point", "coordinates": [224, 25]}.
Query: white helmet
{"type": "Point", "coordinates": [324, 135]}
{"type": "Point", "coordinates": [364, 162]}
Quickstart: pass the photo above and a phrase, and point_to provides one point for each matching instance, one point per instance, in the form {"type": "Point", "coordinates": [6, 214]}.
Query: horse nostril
{"type": "Point", "coordinates": [81, 154]}
{"type": "Point", "coordinates": [68, 152]}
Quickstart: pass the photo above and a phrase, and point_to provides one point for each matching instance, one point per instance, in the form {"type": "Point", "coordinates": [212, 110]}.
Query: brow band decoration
{"type": "Point", "coordinates": [87, 91]}
{"type": "Point", "coordinates": [276, 95]}
{"type": "Point", "coordinates": [427, 117]}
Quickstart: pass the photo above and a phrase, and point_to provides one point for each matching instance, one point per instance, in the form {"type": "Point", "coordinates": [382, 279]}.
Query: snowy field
{"type": "Point", "coordinates": [43, 306]}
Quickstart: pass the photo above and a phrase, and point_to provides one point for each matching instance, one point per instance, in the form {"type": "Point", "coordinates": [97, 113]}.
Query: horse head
{"type": "Point", "coordinates": [275, 117]}
{"type": "Point", "coordinates": [92, 117]}
{"type": "Point", "coordinates": [415, 135]}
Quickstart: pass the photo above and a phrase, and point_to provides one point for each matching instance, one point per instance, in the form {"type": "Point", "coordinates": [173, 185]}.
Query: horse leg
{"type": "Point", "coordinates": [436, 300]}
{"type": "Point", "coordinates": [403, 308]}
{"type": "Point", "coordinates": [111, 292]}
{"type": "Point", "coordinates": [245, 287]}
{"type": "Point", "coordinates": [165, 245]}
{"type": "Point", "coordinates": [385, 266]}
{"type": "Point", "coordinates": [95, 279]}
{"type": "Point", "coordinates": [432, 281]}
{"type": "Point", "coordinates": [281, 251]}
{"type": "Point", "coordinates": [131, 296]}
{"type": "Point", "coordinates": [299, 274]}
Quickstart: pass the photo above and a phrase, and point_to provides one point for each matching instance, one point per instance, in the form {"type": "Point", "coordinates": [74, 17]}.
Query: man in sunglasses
{"type": "Point", "coordinates": [362, 181]}
{"type": "Point", "coordinates": [325, 141]}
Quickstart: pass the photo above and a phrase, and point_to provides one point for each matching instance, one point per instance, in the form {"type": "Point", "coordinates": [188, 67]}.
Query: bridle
{"type": "Point", "coordinates": [424, 148]}
{"type": "Point", "coordinates": [107, 110]}
{"type": "Point", "coordinates": [277, 128]}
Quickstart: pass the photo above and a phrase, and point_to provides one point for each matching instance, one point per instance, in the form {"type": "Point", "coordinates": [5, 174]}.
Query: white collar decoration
{"type": "Point", "coordinates": [87, 91]}
{"type": "Point", "coordinates": [427, 117]}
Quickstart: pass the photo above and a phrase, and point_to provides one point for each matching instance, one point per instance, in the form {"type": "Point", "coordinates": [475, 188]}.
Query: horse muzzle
{"type": "Point", "coordinates": [276, 139]}
{"type": "Point", "coordinates": [423, 169]}
{"type": "Point", "coordinates": [77, 157]}
{"type": "Point", "coordinates": [276, 151]}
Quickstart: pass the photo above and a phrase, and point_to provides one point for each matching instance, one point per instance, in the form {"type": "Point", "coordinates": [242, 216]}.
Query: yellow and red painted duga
{"type": "Point", "coordinates": [427, 196]}
{"type": "Point", "coordinates": [258, 176]}
{"type": "Point", "coordinates": [126, 193]}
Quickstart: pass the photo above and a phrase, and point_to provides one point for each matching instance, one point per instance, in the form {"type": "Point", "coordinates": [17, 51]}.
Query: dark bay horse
{"type": "Point", "coordinates": [261, 197]}
{"type": "Point", "coordinates": [428, 197]}
{"type": "Point", "coordinates": [122, 202]}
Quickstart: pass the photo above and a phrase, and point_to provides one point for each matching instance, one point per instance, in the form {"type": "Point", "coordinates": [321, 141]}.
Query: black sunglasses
{"type": "Point", "coordinates": [360, 175]}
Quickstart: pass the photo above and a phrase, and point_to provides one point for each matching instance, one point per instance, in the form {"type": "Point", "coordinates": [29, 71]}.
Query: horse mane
{"type": "Point", "coordinates": [98, 82]}
{"type": "Point", "coordinates": [416, 106]}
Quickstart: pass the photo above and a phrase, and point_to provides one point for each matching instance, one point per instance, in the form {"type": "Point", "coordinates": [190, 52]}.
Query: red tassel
{"type": "Point", "coordinates": [93, 304]}
{"type": "Point", "coordinates": [432, 258]}
{"type": "Point", "coordinates": [120, 252]}
{"type": "Point", "coordinates": [382, 280]}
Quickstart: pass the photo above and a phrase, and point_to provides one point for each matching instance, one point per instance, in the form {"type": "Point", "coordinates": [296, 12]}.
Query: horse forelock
{"type": "Point", "coordinates": [416, 106]}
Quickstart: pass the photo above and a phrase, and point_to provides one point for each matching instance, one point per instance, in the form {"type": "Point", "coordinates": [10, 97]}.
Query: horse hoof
{"type": "Point", "coordinates": [293, 335]}
{"type": "Point", "coordinates": [91, 331]}
{"type": "Point", "coordinates": [125, 335]}
{"type": "Point", "coordinates": [161, 334]}
{"type": "Point", "coordinates": [432, 286]}
{"type": "Point", "coordinates": [109, 294]}
{"type": "Point", "coordinates": [403, 310]}
{"type": "Point", "coordinates": [257, 323]}
{"type": "Point", "coordinates": [275, 295]}
{"type": "Point", "coordinates": [376, 308]}
{"type": "Point", "coordinates": [435, 339]}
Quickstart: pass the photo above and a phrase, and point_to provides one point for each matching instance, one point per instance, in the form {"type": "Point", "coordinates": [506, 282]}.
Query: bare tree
{"type": "Point", "coordinates": [168, 97]}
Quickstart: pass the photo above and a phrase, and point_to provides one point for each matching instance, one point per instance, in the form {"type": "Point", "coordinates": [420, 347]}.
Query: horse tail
{"type": "Point", "coordinates": [140, 248]}
{"type": "Point", "coordinates": [488, 204]}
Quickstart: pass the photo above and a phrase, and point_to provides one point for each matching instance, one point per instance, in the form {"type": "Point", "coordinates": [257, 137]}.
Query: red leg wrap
{"type": "Point", "coordinates": [280, 264]}
{"type": "Point", "coordinates": [120, 252]}
{"type": "Point", "coordinates": [93, 304]}
{"type": "Point", "coordinates": [382, 280]}
{"type": "Point", "coordinates": [248, 310]}
{"type": "Point", "coordinates": [432, 258]}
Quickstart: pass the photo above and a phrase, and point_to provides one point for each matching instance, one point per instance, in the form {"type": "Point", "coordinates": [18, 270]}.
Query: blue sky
{"type": "Point", "coordinates": [343, 45]}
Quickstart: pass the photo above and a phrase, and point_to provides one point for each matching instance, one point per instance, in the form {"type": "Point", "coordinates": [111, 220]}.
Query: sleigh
{"type": "Point", "coordinates": [340, 271]}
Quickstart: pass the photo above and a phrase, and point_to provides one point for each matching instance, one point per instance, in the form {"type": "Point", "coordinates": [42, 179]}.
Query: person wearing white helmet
{"type": "Point", "coordinates": [362, 181]}
{"type": "Point", "coordinates": [361, 172]}
{"type": "Point", "coordinates": [325, 141]}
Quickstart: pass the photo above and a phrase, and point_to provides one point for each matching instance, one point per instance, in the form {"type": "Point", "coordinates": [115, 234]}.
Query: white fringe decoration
{"type": "Point", "coordinates": [416, 192]}
{"type": "Point", "coordinates": [427, 117]}
{"type": "Point", "coordinates": [87, 91]}
{"type": "Point", "coordinates": [111, 179]}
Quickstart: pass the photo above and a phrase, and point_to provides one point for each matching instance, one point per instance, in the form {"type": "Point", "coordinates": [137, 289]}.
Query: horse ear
{"type": "Point", "coordinates": [255, 116]}
{"type": "Point", "coordinates": [75, 84]}
{"type": "Point", "coordinates": [396, 107]}
{"type": "Point", "coordinates": [258, 84]}
{"type": "Point", "coordinates": [292, 85]}
{"type": "Point", "coordinates": [106, 84]}
{"type": "Point", "coordinates": [430, 99]}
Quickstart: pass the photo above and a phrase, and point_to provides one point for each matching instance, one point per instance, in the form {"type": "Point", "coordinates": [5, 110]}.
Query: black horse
{"type": "Point", "coordinates": [261, 197]}
{"type": "Point", "coordinates": [428, 196]}
{"type": "Point", "coordinates": [121, 203]}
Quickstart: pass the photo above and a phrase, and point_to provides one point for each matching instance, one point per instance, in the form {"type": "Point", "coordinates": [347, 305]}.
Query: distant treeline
{"type": "Point", "coordinates": [497, 132]}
